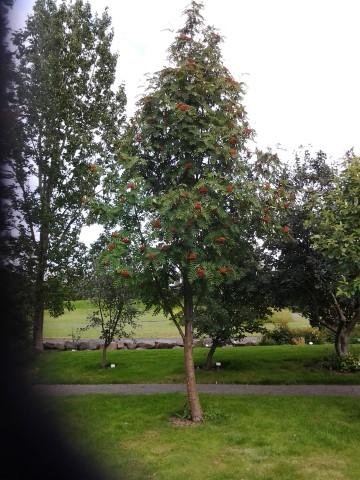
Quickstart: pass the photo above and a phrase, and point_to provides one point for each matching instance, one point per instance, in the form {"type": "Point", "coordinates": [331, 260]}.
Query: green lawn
{"type": "Point", "coordinates": [245, 438]}
{"type": "Point", "coordinates": [288, 364]}
{"type": "Point", "coordinates": [148, 325]}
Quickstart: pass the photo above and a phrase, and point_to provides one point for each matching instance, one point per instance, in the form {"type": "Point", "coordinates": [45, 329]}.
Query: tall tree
{"type": "Point", "coordinates": [69, 119]}
{"type": "Point", "coordinates": [306, 275]}
{"type": "Point", "coordinates": [336, 218]}
{"type": "Point", "coordinates": [191, 197]}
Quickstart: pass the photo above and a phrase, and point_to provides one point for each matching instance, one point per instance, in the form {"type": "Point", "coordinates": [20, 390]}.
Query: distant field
{"type": "Point", "coordinates": [148, 325]}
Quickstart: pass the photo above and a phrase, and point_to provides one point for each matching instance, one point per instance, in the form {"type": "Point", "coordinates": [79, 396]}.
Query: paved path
{"type": "Point", "coordinates": [130, 389]}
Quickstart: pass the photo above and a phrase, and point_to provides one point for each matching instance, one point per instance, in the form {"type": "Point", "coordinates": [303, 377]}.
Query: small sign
{"type": "Point", "coordinates": [112, 365]}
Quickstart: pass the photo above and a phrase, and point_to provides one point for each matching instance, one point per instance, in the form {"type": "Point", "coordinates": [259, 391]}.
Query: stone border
{"type": "Point", "coordinates": [138, 344]}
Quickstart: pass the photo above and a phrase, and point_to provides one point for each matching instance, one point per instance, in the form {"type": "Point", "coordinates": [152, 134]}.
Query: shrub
{"type": "Point", "coordinates": [312, 334]}
{"type": "Point", "coordinates": [348, 364]}
{"type": "Point", "coordinates": [355, 335]}
{"type": "Point", "coordinates": [281, 335]}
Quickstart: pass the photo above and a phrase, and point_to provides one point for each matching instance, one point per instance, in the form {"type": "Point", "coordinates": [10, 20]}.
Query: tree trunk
{"type": "Point", "coordinates": [208, 361]}
{"type": "Point", "coordinates": [193, 396]}
{"type": "Point", "coordinates": [38, 315]}
{"type": "Point", "coordinates": [103, 357]}
{"type": "Point", "coordinates": [342, 343]}
{"type": "Point", "coordinates": [38, 328]}
{"type": "Point", "coordinates": [39, 300]}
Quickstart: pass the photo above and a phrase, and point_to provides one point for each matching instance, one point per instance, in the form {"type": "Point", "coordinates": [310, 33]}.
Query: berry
{"type": "Point", "coordinates": [201, 272]}
{"type": "Point", "coordinates": [220, 240]}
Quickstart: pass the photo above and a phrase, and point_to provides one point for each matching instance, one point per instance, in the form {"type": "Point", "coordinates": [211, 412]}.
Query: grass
{"type": "Point", "coordinates": [244, 437]}
{"type": "Point", "coordinates": [148, 325]}
{"type": "Point", "coordinates": [247, 438]}
{"type": "Point", "coordinates": [287, 364]}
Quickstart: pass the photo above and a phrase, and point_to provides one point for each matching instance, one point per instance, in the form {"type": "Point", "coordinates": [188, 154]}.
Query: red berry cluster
{"type": "Point", "coordinates": [182, 107]}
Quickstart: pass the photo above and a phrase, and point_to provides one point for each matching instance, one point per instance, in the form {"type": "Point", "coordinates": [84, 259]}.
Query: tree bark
{"type": "Point", "coordinates": [193, 396]}
{"type": "Point", "coordinates": [38, 327]}
{"type": "Point", "coordinates": [342, 343]}
{"type": "Point", "coordinates": [38, 313]}
{"type": "Point", "coordinates": [208, 361]}
{"type": "Point", "coordinates": [103, 357]}
{"type": "Point", "coordinates": [341, 335]}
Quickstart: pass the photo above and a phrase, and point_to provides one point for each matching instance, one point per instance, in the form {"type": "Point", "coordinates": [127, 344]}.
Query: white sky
{"type": "Point", "coordinates": [298, 58]}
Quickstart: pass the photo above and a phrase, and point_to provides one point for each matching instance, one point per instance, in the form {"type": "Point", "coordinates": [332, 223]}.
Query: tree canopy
{"type": "Point", "coordinates": [69, 117]}
{"type": "Point", "coordinates": [187, 197]}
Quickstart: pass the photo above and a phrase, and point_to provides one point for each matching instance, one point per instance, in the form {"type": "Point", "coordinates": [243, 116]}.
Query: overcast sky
{"type": "Point", "coordinates": [298, 58]}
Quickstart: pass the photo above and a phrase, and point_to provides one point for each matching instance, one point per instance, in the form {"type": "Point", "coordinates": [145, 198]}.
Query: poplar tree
{"type": "Point", "coordinates": [187, 197]}
{"type": "Point", "coordinates": [69, 116]}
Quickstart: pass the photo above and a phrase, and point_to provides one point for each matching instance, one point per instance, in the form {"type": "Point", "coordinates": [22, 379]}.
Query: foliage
{"type": "Point", "coordinates": [231, 311]}
{"type": "Point", "coordinates": [187, 197]}
{"type": "Point", "coordinates": [306, 278]}
{"type": "Point", "coordinates": [115, 301]}
{"type": "Point", "coordinates": [348, 364]}
{"type": "Point", "coordinates": [282, 334]}
{"type": "Point", "coordinates": [68, 122]}
{"type": "Point", "coordinates": [336, 218]}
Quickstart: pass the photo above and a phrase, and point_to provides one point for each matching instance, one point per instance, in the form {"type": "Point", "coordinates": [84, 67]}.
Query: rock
{"type": "Point", "coordinates": [165, 344]}
{"type": "Point", "coordinates": [298, 341]}
{"type": "Point", "coordinates": [145, 344]}
{"type": "Point", "coordinates": [130, 344]}
{"type": "Point", "coordinates": [113, 346]}
{"type": "Point", "coordinates": [90, 344]}
{"type": "Point", "coordinates": [121, 345]}
{"type": "Point", "coordinates": [54, 345]}
{"type": "Point", "coordinates": [70, 345]}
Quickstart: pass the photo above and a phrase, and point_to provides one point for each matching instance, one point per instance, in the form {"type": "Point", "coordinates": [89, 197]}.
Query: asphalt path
{"type": "Point", "coordinates": [217, 389]}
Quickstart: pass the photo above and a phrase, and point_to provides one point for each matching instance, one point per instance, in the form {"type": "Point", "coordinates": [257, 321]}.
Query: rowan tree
{"type": "Point", "coordinates": [187, 195]}
{"type": "Point", "coordinates": [68, 121]}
